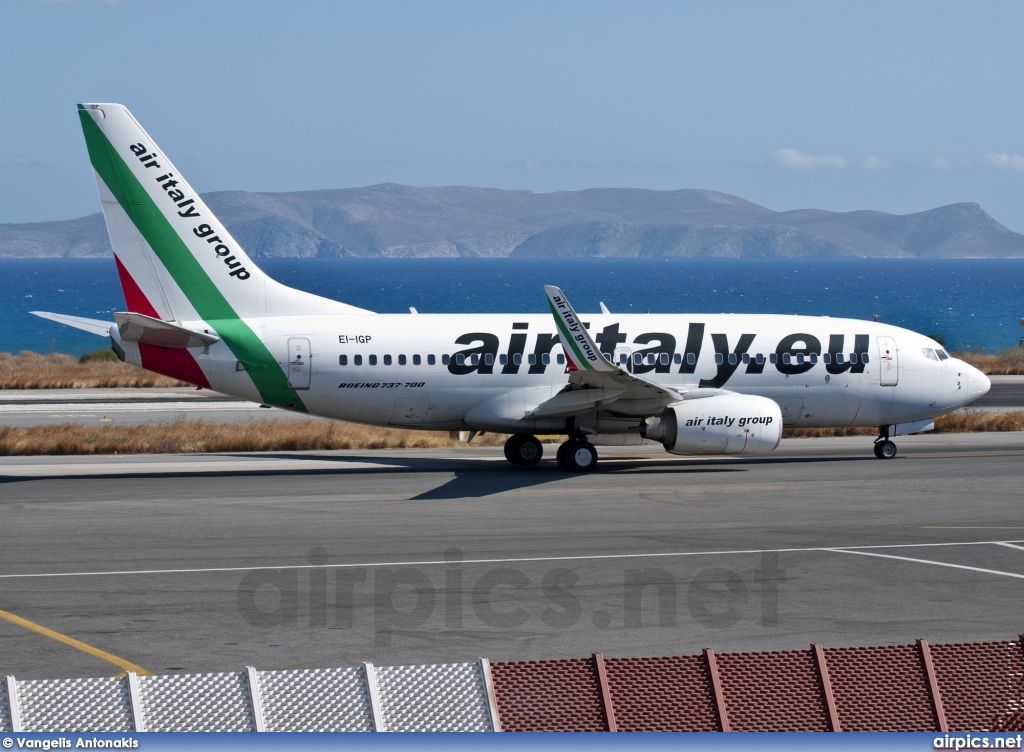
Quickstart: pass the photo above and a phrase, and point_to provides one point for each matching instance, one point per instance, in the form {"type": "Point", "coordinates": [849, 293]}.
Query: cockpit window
{"type": "Point", "coordinates": [930, 354]}
{"type": "Point", "coordinates": [943, 355]}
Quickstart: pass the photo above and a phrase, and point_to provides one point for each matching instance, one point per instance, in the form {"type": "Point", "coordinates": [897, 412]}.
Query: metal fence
{"type": "Point", "coordinates": [919, 687]}
{"type": "Point", "coordinates": [447, 697]}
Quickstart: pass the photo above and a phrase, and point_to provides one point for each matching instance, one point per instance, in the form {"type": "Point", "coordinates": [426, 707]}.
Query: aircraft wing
{"type": "Point", "coordinates": [93, 326]}
{"type": "Point", "coordinates": [595, 382]}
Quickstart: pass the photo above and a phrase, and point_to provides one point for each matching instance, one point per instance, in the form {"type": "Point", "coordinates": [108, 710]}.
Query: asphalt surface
{"type": "Point", "coordinates": [298, 560]}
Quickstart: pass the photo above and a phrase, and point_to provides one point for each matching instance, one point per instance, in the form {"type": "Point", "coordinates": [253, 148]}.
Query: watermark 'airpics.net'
{"type": "Point", "coordinates": [459, 595]}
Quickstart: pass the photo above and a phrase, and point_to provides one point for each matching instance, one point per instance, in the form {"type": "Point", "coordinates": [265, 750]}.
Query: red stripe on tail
{"type": "Point", "coordinates": [134, 298]}
{"type": "Point", "coordinates": [178, 363]}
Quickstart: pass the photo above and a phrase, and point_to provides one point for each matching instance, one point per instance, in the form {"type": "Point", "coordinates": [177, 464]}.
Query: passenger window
{"type": "Point", "coordinates": [357, 360]}
{"type": "Point", "coordinates": [416, 360]}
{"type": "Point", "coordinates": [650, 359]}
{"type": "Point", "coordinates": [719, 359]}
{"type": "Point", "coordinates": [545, 359]}
{"type": "Point", "coordinates": [489, 359]}
{"type": "Point", "coordinates": [813, 357]}
{"type": "Point", "coordinates": [826, 358]}
{"type": "Point", "coordinates": [773, 358]}
{"type": "Point", "coordinates": [853, 358]}
{"type": "Point", "coordinates": [799, 359]}
{"type": "Point", "coordinates": [371, 360]}
{"type": "Point", "coordinates": [503, 360]}
{"type": "Point", "coordinates": [342, 360]}
{"type": "Point", "coordinates": [732, 359]}
{"type": "Point", "coordinates": [531, 359]}
{"type": "Point", "coordinates": [560, 359]}
{"type": "Point", "coordinates": [664, 359]}
{"type": "Point", "coordinates": [401, 360]}
{"type": "Point", "coordinates": [474, 359]}
{"type": "Point", "coordinates": [839, 358]}
{"type": "Point", "coordinates": [637, 359]}
{"type": "Point", "coordinates": [387, 360]}
{"type": "Point", "coordinates": [517, 359]}
{"type": "Point", "coordinates": [864, 358]}
{"type": "Point", "coordinates": [677, 359]}
{"type": "Point", "coordinates": [746, 359]}
{"type": "Point", "coordinates": [460, 360]}
{"type": "Point", "coordinates": [691, 359]}
{"type": "Point", "coordinates": [445, 359]}
{"type": "Point", "coordinates": [787, 359]}
{"type": "Point", "coordinates": [759, 359]}
{"type": "Point", "coordinates": [623, 359]}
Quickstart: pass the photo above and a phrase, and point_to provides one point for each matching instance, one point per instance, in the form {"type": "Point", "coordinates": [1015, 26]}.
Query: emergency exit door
{"type": "Point", "coordinates": [888, 362]}
{"type": "Point", "coordinates": [299, 367]}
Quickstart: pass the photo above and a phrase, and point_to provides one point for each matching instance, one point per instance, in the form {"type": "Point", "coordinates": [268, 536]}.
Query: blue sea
{"type": "Point", "coordinates": [973, 304]}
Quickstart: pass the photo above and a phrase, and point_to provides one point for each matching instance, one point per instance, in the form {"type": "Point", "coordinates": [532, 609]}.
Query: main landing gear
{"type": "Point", "coordinates": [885, 448]}
{"type": "Point", "coordinates": [577, 455]}
{"type": "Point", "coordinates": [523, 449]}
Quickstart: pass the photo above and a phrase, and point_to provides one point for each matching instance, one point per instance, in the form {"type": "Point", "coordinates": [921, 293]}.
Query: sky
{"type": "Point", "coordinates": [895, 107]}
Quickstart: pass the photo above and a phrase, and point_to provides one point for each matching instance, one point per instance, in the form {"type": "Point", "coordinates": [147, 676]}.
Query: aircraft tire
{"type": "Point", "coordinates": [560, 456]}
{"type": "Point", "coordinates": [510, 449]}
{"type": "Point", "coordinates": [576, 456]}
{"type": "Point", "coordinates": [885, 450]}
{"type": "Point", "coordinates": [523, 449]}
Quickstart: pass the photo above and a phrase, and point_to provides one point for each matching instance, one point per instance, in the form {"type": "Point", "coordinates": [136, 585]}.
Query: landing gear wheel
{"type": "Point", "coordinates": [560, 455]}
{"type": "Point", "coordinates": [522, 449]}
{"type": "Point", "coordinates": [577, 456]}
{"type": "Point", "coordinates": [885, 450]}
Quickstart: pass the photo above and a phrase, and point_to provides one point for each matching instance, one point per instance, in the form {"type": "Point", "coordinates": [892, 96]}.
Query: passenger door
{"type": "Point", "coordinates": [888, 362]}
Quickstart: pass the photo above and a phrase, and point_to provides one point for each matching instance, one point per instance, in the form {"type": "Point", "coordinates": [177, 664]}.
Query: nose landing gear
{"type": "Point", "coordinates": [885, 448]}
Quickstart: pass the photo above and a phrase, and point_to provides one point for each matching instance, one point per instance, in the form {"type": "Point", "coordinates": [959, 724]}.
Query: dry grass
{"type": "Point", "coordinates": [1006, 363]}
{"type": "Point", "coordinates": [962, 421]}
{"type": "Point", "coordinates": [29, 370]}
{"type": "Point", "coordinates": [187, 437]}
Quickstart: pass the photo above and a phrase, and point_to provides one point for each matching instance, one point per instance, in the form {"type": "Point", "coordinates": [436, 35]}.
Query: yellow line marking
{"type": "Point", "coordinates": [72, 642]}
{"type": "Point", "coordinates": [969, 527]}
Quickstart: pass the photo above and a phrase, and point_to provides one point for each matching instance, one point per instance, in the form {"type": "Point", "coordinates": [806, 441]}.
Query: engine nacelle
{"type": "Point", "coordinates": [728, 424]}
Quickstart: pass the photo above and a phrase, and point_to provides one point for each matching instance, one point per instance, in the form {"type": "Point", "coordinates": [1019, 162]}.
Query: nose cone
{"type": "Point", "coordinates": [978, 383]}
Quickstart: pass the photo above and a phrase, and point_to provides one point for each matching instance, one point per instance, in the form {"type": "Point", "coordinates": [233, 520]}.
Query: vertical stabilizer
{"type": "Point", "coordinates": [176, 261]}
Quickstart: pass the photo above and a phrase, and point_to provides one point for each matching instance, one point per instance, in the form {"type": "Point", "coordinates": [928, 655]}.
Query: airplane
{"type": "Point", "coordinates": [200, 310]}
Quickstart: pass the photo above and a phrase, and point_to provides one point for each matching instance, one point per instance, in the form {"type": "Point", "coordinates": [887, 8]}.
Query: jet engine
{"type": "Point", "coordinates": [726, 424]}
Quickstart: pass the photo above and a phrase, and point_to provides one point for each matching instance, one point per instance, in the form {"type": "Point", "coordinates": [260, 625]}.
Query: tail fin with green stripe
{"type": "Point", "coordinates": [176, 260]}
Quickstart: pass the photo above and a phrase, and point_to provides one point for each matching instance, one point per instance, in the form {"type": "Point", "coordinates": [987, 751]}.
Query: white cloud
{"type": "Point", "coordinates": [941, 163]}
{"type": "Point", "coordinates": [1004, 161]}
{"type": "Point", "coordinates": [875, 163]}
{"type": "Point", "coordinates": [795, 160]}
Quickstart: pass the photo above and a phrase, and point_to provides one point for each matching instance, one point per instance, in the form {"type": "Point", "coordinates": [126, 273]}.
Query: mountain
{"type": "Point", "coordinates": [398, 220]}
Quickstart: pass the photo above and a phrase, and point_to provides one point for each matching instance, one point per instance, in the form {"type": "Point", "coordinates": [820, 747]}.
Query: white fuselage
{"type": "Point", "coordinates": [486, 371]}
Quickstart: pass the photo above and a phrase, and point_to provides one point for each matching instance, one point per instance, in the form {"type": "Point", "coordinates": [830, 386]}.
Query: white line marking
{"type": "Point", "coordinates": [933, 563]}
{"type": "Point", "coordinates": [1009, 545]}
{"type": "Point", "coordinates": [524, 560]}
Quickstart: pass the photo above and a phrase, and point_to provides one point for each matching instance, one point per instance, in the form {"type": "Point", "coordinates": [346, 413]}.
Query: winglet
{"type": "Point", "coordinates": [580, 349]}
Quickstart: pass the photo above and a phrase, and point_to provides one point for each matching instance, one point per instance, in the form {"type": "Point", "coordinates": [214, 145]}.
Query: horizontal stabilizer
{"type": "Point", "coordinates": [93, 326]}
{"type": "Point", "coordinates": [136, 327]}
